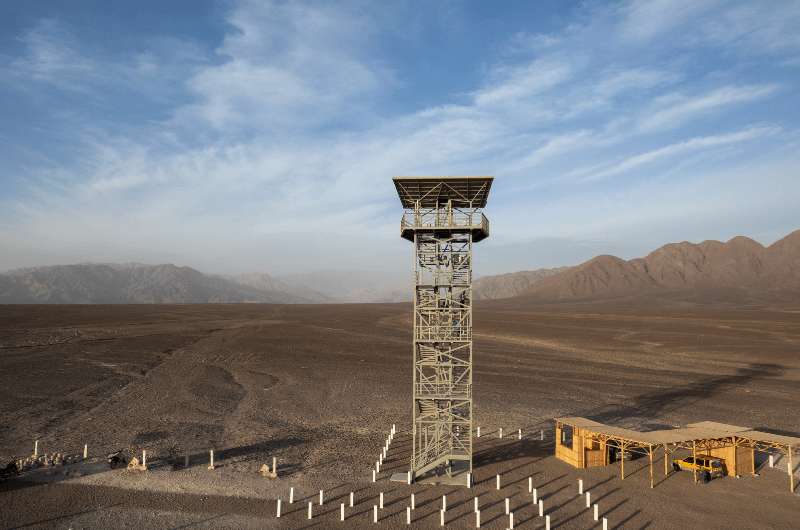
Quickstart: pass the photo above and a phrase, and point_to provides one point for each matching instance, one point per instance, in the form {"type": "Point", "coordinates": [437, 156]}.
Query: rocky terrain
{"type": "Point", "coordinates": [318, 387]}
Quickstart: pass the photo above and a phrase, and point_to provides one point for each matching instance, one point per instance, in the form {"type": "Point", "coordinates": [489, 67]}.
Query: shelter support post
{"type": "Point", "coordinates": [789, 451]}
{"type": "Point", "coordinates": [666, 461]}
{"type": "Point", "coordinates": [694, 460]}
{"type": "Point", "coordinates": [650, 452]}
{"type": "Point", "coordinates": [753, 461]}
{"type": "Point", "coordinates": [622, 460]}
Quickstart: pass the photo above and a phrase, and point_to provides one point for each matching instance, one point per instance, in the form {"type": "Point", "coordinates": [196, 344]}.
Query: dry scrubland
{"type": "Point", "coordinates": [319, 386]}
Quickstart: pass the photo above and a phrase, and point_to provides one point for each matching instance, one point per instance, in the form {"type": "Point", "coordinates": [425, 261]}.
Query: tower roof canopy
{"type": "Point", "coordinates": [432, 191]}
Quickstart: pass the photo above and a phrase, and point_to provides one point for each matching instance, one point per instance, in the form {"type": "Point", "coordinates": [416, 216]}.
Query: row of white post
{"type": "Point", "coordinates": [443, 511]}
{"type": "Point", "coordinates": [595, 507]}
{"type": "Point", "coordinates": [36, 450]}
{"type": "Point", "coordinates": [519, 433]}
{"type": "Point", "coordinates": [384, 454]}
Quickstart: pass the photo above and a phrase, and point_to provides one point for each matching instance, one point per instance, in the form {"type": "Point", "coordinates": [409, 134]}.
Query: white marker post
{"type": "Point", "coordinates": [530, 484]}
{"type": "Point", "coordinates": [341, 511]}
{"type": "Point", "coordinates": [519, 434]}
{"type": "Point", "coordinates": [373, 475]}
{"type": "Point", "coordinates": [588, 499]}
{"type": "Point", "coordinates": [441, 517]}
{"type": "Point", "coordinates": [501, 432]}
{"type": "Point", "coordinates": [291, 495]}
{"type": "Point", "coordinates": [469, 480]}
{"type": "Point", "coordinates": [605, 523]}
{"type": "Point", "coordinates": [479, 432]}
{"type": "Point", "coordinates": [498, 481]}
{"type": "Point", "coordinates": [541, 434]}
{"type": "Point", "coordinates": [85, 451]}
{"type": "Point", "coordinates": [535, 496]}
{"type": "Point", "coordinates": [547, 522]}
{"type": "Point", "coordinates": [444, 502]}
{"type": "Point", "coordinates": [381, 501]}
{"type": "Point", "coordinates": [541, 508]}
{"type": "Point", "coordinates": [413, 502]}
{"type": "Point", "coordinates": [476, 506]}
{"type": "Point", "coordinates": [508, 506]}
{"type": "Point", "coordinates": [211, 465]}
{"type": "Point", "coordinates": [408, 514]}
{"type": "Point", "coordinates": [144, 459]}
{"type": "Point", "coordinates": [511, 521]}
{"type": "Point", "coordinates": [351, 499]}
{"type": "Point", "coordinates": [35, 448]}
{"type": "Point", "coordinates": [580, 486]}
{"type": "Point", "coordinates": [478, 519]}
{"type": "Point", "coordinates": [310, 507]}
{"type": "Point", "coordinates": [278, 509]}
{"type": "Point", "coordinates": [408, 478]}
{"type": "Point", "coordinates": [320, 497]}
{"type": "Point", "coordinates": [374, 513]}
{"type": "Point", "coordinates": [596, 513]}
{"type": "Point", "coordinates": [274, 466]}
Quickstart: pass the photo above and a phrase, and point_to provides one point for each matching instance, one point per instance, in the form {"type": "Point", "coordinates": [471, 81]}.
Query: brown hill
{"type": "Point", "coordinates": [510, 284]}
{"type": "Point", "coordinates": [93, 283]}
{"type": "Point", "coordinates": [736, 268]}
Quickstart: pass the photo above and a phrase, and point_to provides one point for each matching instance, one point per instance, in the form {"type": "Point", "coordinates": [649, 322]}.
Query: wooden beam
{"type": "Point", "coordinates": [650, 452]}
{"type": "Point", "coordinates": [666, 461]}
{"type": "Point", "coordinates": [694, 461]}
{"type": "Point", "coordinates": [622, 460]}
{"type": "Point", "coordinates": [791, 469]}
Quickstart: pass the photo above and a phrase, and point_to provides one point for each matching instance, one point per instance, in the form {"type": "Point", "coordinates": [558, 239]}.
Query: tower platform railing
{"type": "Point", "coordinates": [456, 219]}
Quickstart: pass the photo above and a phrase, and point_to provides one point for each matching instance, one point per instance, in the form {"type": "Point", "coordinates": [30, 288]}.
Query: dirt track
{"type": "Point", "coordinates": [319, 386]}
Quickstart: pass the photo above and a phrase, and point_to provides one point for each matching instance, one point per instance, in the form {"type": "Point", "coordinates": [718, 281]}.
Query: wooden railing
{"type": "Point", "coordinates": [445, 219]}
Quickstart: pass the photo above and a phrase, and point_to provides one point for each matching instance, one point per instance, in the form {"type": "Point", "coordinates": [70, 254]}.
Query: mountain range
{"type": "Point", "coordinates": [738, 269]}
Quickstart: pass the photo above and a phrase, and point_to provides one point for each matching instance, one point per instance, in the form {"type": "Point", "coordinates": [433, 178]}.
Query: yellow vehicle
{"type": "Point", "coordinates": [707, 467]}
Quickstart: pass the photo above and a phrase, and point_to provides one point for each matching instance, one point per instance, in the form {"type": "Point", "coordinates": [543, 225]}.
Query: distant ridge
{"type": "Point", "coordinates": [129, 284]}
{"type": "Point", "coordinates": [738, 268]}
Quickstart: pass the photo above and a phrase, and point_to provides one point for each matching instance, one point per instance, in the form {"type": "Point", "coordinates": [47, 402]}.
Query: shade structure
{"type": "Point", "coordinates": [427, 192]}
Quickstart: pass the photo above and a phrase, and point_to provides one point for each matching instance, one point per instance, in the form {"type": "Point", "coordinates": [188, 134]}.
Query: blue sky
{"type": "Point", "coordinates": [260, 136]}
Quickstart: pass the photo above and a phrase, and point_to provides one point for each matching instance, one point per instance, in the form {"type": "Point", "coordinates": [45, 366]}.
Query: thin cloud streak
{"type": "Point", "coordinates": [284, 129]}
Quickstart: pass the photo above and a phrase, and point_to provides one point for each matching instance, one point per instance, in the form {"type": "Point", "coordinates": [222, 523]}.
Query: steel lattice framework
{"type": "Point", "coordinates": [443, 218]}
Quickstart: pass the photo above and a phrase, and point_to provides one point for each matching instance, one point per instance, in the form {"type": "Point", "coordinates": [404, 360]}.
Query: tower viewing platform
{"type": "Point", "coordinates": [443, 204]}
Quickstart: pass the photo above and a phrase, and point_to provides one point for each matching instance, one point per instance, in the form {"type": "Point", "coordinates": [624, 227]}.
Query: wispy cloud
{"type": "Point", "coordinates": [674, 109]}
{"type": "Point", "coordinates": [679, 148]}
{"type": "Point", "coordinates": [287, 125]}
{"type": "Point", "coordinates": [288, 65]}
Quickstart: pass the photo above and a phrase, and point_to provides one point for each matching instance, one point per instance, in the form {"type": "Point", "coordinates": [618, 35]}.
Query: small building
{"type": "Point", "coordinates": [583, 443]}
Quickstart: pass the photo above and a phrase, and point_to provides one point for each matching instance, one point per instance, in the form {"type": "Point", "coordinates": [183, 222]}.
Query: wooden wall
{"type": "Point", "coordinates": [573, 456]}
{"type": "Point", "coordinates": [738, 460]}
{"type": "Point", "coordinates": [585, 451]}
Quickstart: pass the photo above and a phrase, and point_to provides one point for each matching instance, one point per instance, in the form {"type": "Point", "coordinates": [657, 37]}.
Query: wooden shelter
{"type": "Point", "coordinates": [583, 443]}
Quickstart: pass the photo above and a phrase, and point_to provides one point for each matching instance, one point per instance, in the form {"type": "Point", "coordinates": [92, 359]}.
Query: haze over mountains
{"type": "Point", "coordinates": [134, 283]}
{"type": "Point", "coordinates": [739, 269]}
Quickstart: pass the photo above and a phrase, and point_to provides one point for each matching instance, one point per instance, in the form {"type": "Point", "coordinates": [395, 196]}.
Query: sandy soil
{"type": "Point", "coordinates": [318, 387]}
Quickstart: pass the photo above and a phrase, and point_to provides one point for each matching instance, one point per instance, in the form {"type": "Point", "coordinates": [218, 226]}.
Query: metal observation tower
{"type": "Point", "coordinates": [442, 216]}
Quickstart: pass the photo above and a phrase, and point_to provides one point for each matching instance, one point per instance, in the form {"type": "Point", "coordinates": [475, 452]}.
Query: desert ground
{"type": "Point", "coordinates": [319, 386]}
